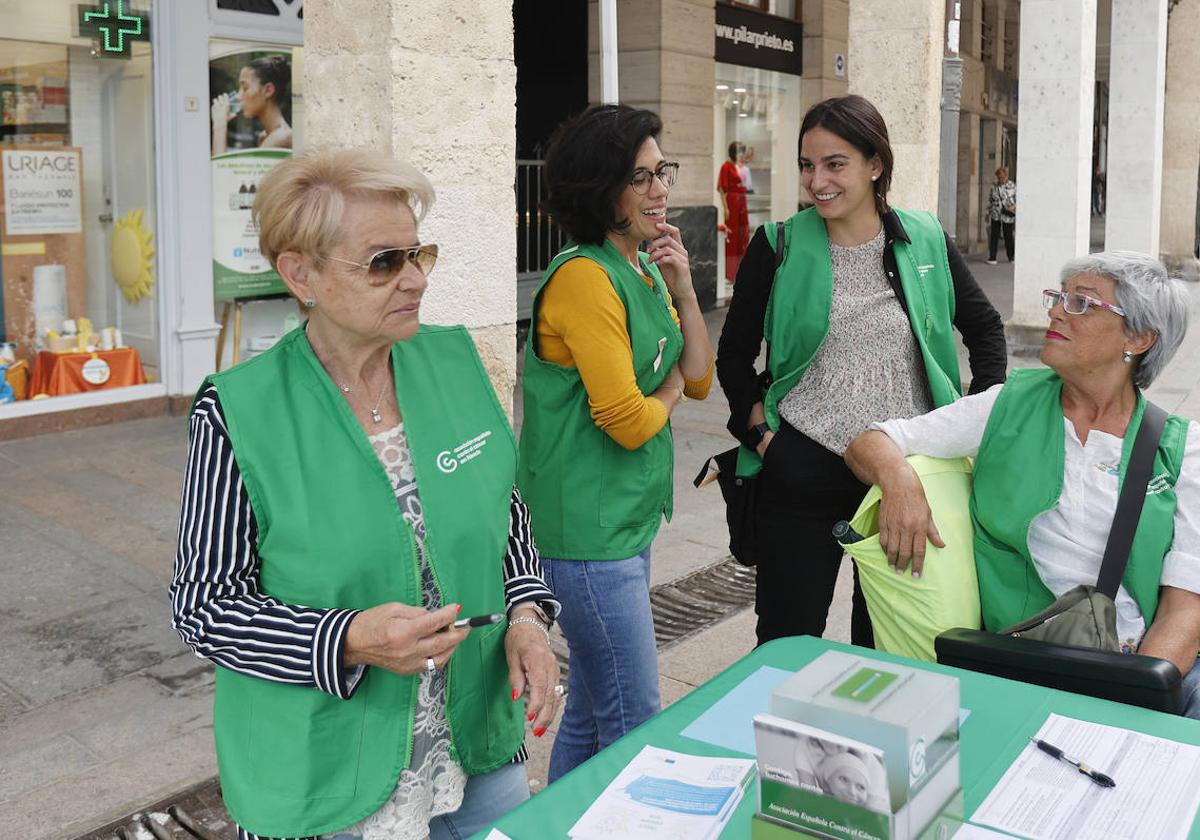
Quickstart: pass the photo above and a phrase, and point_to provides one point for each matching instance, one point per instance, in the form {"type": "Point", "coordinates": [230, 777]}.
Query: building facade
{"type": "Point", "coordinates": [132, 135]}
{"type": "Point", "coordinates": [121, 216]}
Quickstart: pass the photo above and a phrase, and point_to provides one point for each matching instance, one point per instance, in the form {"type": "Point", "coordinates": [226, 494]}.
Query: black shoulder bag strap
{"type": "Point", "coordinates": [1129, 503]}
{"type": "Point", "coordinates": [764, 378]}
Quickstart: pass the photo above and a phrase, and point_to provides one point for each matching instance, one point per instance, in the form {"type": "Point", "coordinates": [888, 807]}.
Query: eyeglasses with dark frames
{"type": "Point", "coordinates": [666, 172]}
{"type": "Point", "coordinates": [1076, 303]}
{"type": "Point", "coordinates": [385, 266]}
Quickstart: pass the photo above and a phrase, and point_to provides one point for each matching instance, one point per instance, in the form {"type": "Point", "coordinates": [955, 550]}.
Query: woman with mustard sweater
{"type": "Point", "coordinates": [617, 341]}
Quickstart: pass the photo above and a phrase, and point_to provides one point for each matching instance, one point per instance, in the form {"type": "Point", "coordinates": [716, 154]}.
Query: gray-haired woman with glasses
{"type": "Point", "coordinates": [1051, 447]}
{"type": "Point", "coordinates": [348, 502]}
{"type": "Point", "coordinates": [617, 340]}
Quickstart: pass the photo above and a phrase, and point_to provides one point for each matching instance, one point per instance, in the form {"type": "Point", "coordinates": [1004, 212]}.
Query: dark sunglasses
{"type": "Point", "coordinates": [386, 265]}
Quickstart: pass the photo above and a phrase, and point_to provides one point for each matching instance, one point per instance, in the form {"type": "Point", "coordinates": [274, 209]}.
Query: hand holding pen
{"type": "Point", "coordinates": [1095, 775]}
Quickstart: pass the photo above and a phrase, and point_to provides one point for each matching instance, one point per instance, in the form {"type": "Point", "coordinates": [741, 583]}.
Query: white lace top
{"type": "Point", "coordinates": [432, 784]}
{"type": "Point", "coordinates": [869, 368]}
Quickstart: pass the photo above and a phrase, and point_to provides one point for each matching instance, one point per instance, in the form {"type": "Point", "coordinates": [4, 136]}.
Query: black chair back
{"type": "Point", "coordinates": [1127, 678]}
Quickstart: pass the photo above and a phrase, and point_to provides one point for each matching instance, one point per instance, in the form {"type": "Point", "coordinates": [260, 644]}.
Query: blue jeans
{"type": "Point", "coordinates": [613, 682]}
{"type": "Point", "coordinates": [1191, 692]}
{"type": "Point", "coordinates": [486, 799]}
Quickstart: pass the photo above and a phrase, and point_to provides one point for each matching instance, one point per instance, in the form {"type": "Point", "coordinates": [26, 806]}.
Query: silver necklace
{"type": "Point", "coordinates": [375, 415]}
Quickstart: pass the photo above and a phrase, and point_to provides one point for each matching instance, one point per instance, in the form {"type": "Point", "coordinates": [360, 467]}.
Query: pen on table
{"type": "Point", "coordinates": [1095, 775]}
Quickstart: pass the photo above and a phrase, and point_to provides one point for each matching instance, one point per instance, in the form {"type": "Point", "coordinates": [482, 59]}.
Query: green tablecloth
{"type": "Point", "coordinates": [1004, 715]}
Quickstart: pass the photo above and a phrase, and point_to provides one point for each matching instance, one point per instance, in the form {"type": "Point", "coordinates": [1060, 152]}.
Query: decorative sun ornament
{"type": "Point", "coordinates": [132, 256]}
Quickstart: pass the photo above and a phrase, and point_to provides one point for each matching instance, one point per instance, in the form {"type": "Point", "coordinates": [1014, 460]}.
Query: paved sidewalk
{"type": "Point", "coordinates": [103, 711]}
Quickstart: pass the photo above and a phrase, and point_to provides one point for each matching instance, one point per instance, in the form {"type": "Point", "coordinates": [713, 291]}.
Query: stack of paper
{"type": "Point", "coordinates": [1155, 798]}
{"type": "Point", "coordinates": [664, 795]}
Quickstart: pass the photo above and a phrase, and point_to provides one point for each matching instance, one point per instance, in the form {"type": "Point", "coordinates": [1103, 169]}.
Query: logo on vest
{"type": "Point", "coordinates": [924, 269]}
{"type": "Point", "coordinates": [449, 460]}
{"type": "Point", "coordinates": [1160, 483]}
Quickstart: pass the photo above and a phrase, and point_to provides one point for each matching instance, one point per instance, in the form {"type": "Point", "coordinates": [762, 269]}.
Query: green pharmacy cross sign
{"type": "Point", "coordinates": [114, 26]}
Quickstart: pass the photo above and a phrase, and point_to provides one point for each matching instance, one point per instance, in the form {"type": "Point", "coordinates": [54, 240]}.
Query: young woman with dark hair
{"type": "Point", "coordinates": [617, 340]}
{"type": "Point", "coordinates": [265, 90]}
{"type": "Point", "coordinates": [859, 321]}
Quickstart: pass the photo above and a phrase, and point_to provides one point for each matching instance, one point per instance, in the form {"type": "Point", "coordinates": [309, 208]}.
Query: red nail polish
{"type": "Point", "coordinates": [457, 609]}
{"type": "Point", "coordinates": [539, 732]}
{"type": "Point", "coordinates": [531, 716]}
{"type": "Point", "coordinates": [515, 695]}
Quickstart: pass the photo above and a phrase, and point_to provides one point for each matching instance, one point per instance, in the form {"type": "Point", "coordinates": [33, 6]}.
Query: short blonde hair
{"type": "Point", "coordinates": [301, 201]}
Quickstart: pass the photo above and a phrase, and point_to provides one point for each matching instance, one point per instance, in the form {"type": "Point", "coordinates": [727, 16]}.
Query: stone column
{"type": "Point", "coordinates": [826, 28]}
{"type": "Point", "coordinates": [896, 62]}
{"type": "Point", "coordinates": [1054, 151]}
{"type": "Point", "coordinates": [1181, 128]}
{"type": "Point", "coordinates": [1136, 79]}
{"type": "Point", "coordinates": [438, 90]}
{"type": "Point", "coordinates": [665, 54]}
{"type": "Point", "coordinates": [952, 83]}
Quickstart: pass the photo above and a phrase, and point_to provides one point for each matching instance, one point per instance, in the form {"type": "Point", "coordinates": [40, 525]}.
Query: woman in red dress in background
{"type": "Point", "coordinates": [737, 220]}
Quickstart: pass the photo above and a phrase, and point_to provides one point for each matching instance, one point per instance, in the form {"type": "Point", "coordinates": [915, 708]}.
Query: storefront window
{"type": "Point", "coordinates": [79, 309]}
{"type": "Point", "coordinates": [760, 110]}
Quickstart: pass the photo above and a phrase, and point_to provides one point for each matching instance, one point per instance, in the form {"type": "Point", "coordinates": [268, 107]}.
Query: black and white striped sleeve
{"type": "Point", "coordinates": [216, 604]}
{"type": "Point", "coordinates": [523, 579]}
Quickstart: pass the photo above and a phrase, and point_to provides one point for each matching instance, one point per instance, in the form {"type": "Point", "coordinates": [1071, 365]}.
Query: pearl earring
{"type": "Point", "coordinates": [874, 177]}
{"type": "Point", "coordinates": [1127, 356]}
{"type": "Point", "coordinates": [309, 303]}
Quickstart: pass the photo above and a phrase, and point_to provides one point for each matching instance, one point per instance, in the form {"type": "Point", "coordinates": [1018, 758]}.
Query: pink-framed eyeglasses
{"type": "Point", "coordinates": [1076, 303]}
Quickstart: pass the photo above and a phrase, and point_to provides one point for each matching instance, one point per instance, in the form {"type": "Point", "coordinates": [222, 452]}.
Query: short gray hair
{"type": "Point", "coordinates": [1153, 301]}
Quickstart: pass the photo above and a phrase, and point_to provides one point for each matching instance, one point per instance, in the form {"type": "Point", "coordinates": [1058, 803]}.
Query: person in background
{"type": "Point", "coordinates": [1050, 447]}
{"type": "Point", "coordinates": [743, 168]}
{"type": "Point", "coordinates": [733, 188]}
{"type": "Point", "coordinates": [1002, 211]}
{"type": "Point", "coordinates": [326, 544]}
{"type": "Point", "coordinates": [859, 321]}
{"type": "Point", "coordinates": [617, 340]}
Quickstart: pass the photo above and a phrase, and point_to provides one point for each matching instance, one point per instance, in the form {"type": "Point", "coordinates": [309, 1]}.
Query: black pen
{"type": "Point", "coordinates": [1095, 775]}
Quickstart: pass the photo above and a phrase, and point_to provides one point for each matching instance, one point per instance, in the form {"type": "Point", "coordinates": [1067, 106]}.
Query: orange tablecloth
{"type": "Point", "coordinates": [62, 373]}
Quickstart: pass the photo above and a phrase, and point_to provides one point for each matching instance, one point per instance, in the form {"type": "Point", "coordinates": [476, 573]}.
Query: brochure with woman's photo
{"type": "Point", "coordinates": [821, 781]}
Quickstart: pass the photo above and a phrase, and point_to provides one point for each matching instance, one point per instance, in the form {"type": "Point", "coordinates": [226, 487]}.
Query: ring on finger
{"type": "Point", "coordinates": [560, 690]}
{"type": "Point", "coordinates": [430, 666]}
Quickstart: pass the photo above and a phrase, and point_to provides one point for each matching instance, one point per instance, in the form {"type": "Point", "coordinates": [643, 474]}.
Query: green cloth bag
{"type": "Point", "coordinates": [907, 614]}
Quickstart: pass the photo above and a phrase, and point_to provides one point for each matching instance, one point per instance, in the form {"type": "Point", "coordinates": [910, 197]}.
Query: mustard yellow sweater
{"type": "Point", "coordinates": [581, 324]}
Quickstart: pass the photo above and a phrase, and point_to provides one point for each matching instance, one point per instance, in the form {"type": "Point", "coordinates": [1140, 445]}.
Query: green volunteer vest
{"type": "Point", "coordinates": [797, 318]}
{"type": "Point", "coordinates": [296, 761]}
{"type": "Point", "coordinates": [589, 497]}
{"type": "Point", "coordinates": [1019, 476]}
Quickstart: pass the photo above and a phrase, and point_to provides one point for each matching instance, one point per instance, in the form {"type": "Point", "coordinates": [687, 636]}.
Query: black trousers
{"type": "Point", "coordinates": [994, 238]}
{"type": "Point", "coordinates": [802, 491]}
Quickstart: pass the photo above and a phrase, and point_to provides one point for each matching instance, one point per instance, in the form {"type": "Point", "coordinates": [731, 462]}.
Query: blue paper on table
{"type": "Point", "coordinates": [681, 797]}
{"type": "Point", "coordinates": [729, 722]}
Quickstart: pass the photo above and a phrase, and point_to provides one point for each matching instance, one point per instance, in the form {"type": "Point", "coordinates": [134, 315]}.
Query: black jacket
{"type": "Point", "coordinates": [741, 338]}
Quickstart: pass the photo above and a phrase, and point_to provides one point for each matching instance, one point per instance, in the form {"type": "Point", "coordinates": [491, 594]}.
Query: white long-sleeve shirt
{"type": "Point", "coordinates": [1066, 543]}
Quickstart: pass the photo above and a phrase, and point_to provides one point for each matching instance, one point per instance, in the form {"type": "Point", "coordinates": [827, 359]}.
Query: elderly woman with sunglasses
{"type": "Point", "coordinates": [341, 509]}
{"type": "Point", "coordinates": [617, 341]}
{"type": "Point", "coordinates": [1051, 446]}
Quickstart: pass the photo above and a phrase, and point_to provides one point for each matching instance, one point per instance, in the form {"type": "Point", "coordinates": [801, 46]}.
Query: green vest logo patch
{"type": "Point", "coordinates": [449, 460]}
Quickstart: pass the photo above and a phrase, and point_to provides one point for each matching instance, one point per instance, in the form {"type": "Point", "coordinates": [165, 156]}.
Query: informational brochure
{"type": "Point", "coordinates": [1155, 798]}
{"type": "Point", "coordinates": [665, 795]}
